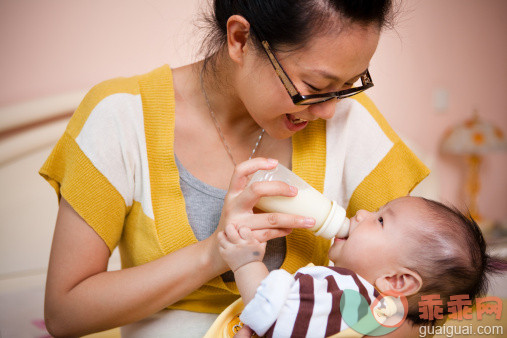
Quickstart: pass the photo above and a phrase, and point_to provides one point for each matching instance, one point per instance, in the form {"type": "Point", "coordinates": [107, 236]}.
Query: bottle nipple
{"type": "Point", "coordinates": [336, 224]}
{"type": "Point", "coordinates": [344, 230]}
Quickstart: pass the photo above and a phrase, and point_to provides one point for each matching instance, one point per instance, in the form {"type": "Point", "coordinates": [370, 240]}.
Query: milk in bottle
{"type": "Point", "coordinates": [330, 218]}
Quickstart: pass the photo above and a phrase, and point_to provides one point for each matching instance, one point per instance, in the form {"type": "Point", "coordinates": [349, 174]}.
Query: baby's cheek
{"type": "Point", "coordinates": [351, 253]}
{"type": "Point", "coordinates": [362, 250]}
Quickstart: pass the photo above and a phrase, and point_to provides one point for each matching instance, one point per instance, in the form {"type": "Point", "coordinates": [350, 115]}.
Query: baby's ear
{"type": "Point", "coordinates": [403, 281]}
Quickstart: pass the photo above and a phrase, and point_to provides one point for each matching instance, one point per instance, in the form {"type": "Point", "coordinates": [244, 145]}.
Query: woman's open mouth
{"type": "Point", "coordinates": [294, 123]}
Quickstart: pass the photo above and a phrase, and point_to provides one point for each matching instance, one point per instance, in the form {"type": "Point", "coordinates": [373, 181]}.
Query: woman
{"type": "Point", "coordinates": [145, 163]}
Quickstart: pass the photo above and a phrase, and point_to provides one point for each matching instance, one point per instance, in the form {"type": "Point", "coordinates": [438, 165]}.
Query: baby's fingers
{"type": "Point", "coordinates": [245, 233]}
{"type": "Point", "coordinates": [223, 242]}
{"type": "Point", "coordinates": [265, 235]}
{"type": "Point", "coordinates": [246, 331]}
{"type": "Point", "coordinates": [232, 233]}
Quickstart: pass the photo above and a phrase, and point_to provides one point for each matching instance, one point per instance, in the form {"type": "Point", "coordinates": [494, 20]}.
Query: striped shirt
{"type": "Point", "coordinates": [306, 304]}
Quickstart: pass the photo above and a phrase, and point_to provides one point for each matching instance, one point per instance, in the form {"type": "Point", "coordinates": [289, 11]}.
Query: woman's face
{"type": "Point", "coordinates": [329, 62]}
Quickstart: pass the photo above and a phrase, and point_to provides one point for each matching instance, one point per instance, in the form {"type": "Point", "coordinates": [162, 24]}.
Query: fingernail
{"type": "Point", "coordinates": [309, 221]}
{"type": "Point", "coordinates": [306, 221]}
{"type": "Point", "coordinates": [272, 161]}
{"type": "Point", "coordinates": [293, 190]}
{"type": "Point", "coordinates": [300, 221]}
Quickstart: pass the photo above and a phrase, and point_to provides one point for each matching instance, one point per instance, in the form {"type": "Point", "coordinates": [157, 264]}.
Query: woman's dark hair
{"type": "Point", "coordinates": [291, 22]}
{"type": "Point", "coordinates": [450, 257]}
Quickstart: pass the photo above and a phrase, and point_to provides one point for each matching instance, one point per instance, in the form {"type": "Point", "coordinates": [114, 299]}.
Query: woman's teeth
{"type": "Point", "coordinates": [296, 120]}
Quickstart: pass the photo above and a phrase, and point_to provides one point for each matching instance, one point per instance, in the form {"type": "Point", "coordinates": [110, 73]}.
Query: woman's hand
{"type": "Point", "coordinates": [240, 201]}
{"type": "Point", "coordinates": [238, 247]}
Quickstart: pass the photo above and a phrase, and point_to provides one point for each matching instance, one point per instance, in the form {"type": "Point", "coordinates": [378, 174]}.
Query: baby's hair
{"type": "Point", "coordinates": [453, 259]}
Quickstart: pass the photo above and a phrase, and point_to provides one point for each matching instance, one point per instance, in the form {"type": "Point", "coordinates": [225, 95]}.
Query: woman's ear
{"type": "Point", "coordinates": [404, 281]}
{"type": "Point", "coordinates": [238, 31]}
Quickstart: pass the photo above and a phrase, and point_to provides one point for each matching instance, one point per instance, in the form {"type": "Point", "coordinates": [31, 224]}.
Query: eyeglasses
{"type": "Point", "coordinates": [299, 99]}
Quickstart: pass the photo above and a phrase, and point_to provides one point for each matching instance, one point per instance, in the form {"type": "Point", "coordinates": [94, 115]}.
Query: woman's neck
{"type": "Point", "coordinates": [218, 85]}
{"type": "Point", "coordinates": [194, 121]}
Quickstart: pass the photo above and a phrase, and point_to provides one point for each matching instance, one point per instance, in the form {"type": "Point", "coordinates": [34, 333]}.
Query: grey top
{"type": "Point", "coordinates": [204, 203]}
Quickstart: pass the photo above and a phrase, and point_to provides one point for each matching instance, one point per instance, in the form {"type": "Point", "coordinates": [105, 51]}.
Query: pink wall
{"type": "Point", "coordinates": [458, 45]}
{"type": "Point", "coordinates": [56, 46]}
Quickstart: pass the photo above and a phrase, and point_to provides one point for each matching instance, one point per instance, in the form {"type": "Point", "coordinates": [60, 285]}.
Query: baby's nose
{"type": "Point", "coordinates": [361, 215]}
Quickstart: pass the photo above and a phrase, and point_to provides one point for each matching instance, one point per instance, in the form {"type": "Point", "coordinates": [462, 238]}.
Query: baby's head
{"type": "Point", "coordinates": [416, 247]}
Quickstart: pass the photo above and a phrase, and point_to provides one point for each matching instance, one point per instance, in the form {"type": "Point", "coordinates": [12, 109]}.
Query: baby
{"type": "Point", "coordinates": [411, 246]}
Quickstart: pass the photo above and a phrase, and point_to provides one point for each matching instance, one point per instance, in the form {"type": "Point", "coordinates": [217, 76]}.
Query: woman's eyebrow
{"type": "Point", "coordinates": [333, 77]}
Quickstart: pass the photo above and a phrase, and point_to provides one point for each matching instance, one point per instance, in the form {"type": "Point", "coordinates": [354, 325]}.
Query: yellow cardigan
{"type": "Point", "coordinates": [115, 165]}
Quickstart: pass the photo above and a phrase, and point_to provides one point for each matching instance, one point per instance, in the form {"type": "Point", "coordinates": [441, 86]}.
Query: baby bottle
{"type": "Point", "coordinates": [330, 218]}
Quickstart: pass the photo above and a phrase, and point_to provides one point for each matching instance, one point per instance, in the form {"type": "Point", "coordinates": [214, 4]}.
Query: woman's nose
{"type": "Point", "coordinates": [324, 110]}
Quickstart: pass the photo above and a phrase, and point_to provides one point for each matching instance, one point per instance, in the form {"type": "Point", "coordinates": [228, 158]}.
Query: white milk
{"type": "Point", "coordinates": [308, 202]}
{"type": "Point", "coordinates": [330, 218]}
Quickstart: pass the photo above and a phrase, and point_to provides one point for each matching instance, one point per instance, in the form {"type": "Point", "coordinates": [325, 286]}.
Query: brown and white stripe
{"type": "Point", "coordinates": [312, 307]}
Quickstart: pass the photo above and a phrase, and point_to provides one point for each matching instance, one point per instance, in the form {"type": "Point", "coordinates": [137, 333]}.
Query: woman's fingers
{"type": "Point", "coordinates": [265, 235]}
{"type": "Point", "coordinates": [232, 235]}
{"type": "Point", "coordinates": [241, 199]}
{"type": "Point", "coordinates": [276, 221]}
{"type": "Point", "coordinates": [250, 195]}
{"type": "Point", "coordinates": [239, 178]}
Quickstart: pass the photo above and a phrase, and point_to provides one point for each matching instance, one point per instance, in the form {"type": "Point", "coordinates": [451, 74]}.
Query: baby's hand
{"type": "Point", "coordinates": [239, 247]}
{"type": "Point", "coordinates": [245, 331]}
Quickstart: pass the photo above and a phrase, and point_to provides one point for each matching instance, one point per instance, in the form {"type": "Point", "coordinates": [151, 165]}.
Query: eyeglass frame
{"type": "Point", "coordinates": [298, 98]}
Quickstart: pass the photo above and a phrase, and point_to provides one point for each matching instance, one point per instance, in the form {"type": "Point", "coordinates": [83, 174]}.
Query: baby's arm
{"type": "Point", "coordinates": [263, 293]}
{"type": "Point", "coordinates": [243, 253]}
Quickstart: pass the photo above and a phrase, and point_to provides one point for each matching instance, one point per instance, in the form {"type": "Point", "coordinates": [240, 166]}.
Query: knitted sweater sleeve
{"type": "Point", "coordinates": [367, 164]}
{"type": "Point", "coordinates": [93, 164]}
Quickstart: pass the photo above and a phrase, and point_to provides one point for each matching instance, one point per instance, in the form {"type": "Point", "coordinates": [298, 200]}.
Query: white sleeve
{"type": "Point", "coordinates": [263, 310]}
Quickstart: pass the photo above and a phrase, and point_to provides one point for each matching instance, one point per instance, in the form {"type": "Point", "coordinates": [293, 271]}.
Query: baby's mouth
{"type": "Point", "coordinates": [341, 239]}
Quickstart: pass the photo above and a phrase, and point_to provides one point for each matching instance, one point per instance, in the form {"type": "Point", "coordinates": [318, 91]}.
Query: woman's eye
{"type": "Point", "coordinates": [381, 220]}
{"type": "Point", "coordinates": [315, 89]}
